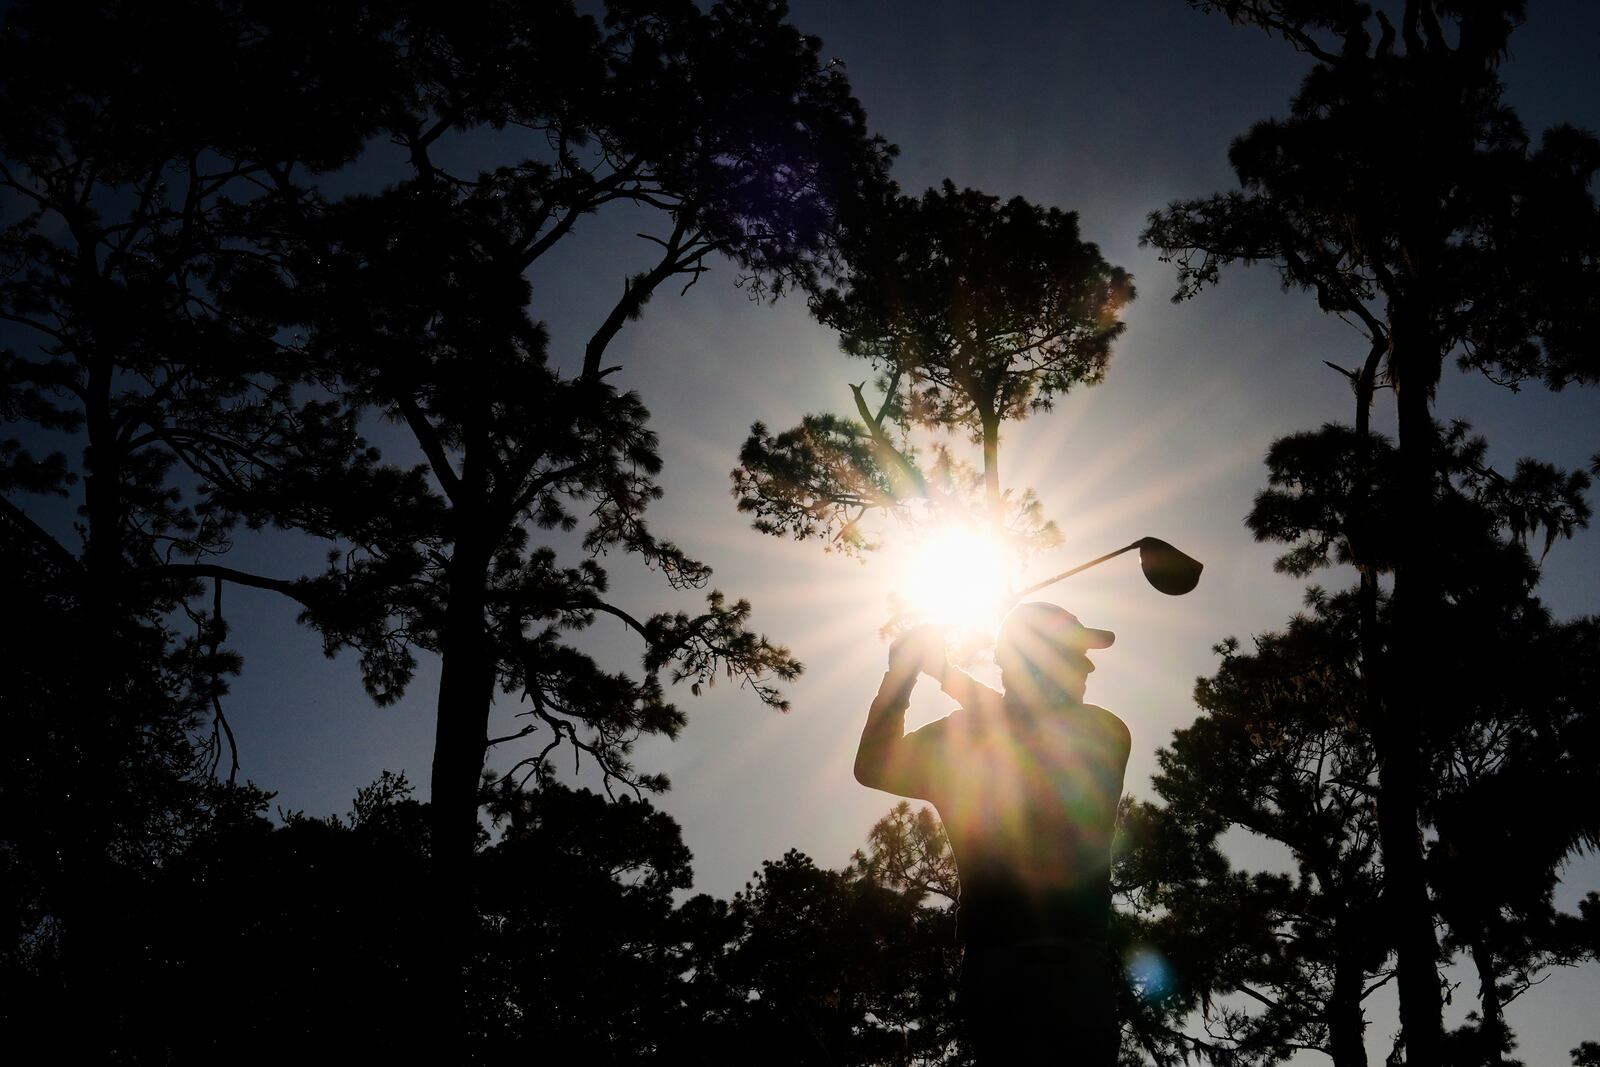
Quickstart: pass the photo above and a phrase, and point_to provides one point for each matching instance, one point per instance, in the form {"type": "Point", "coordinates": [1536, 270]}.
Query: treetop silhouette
{"type": "Point", "coordinates": [1406, 196]}
{"type": "Point", "coordinates": [972, 311]}
{"type": "Point", "coordinates": [232, 328]}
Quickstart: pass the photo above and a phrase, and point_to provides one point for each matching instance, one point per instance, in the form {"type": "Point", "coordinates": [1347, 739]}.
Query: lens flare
{"type": "Point", "coordinates": [1149, 974]}
{"type": "Point", "coordinates": [957, 575]}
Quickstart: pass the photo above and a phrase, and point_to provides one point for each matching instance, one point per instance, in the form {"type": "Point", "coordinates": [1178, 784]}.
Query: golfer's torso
{"type": "Point", "coordinates": [1029, 804]}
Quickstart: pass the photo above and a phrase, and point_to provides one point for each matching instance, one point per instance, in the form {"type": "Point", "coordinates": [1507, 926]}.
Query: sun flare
{"type": "Point", "coordinates": [957, 576]}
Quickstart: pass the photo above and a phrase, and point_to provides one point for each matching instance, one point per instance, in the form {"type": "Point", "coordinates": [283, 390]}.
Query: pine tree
{"type": "Point", "coordinates": [973, 312]}
{"type": "Point", "coordinates": [1406, 196]}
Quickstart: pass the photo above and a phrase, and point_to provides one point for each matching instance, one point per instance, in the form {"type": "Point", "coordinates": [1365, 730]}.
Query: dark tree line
{"type": "Point", "coordinates": [1404, 194]}
{"type": "Point", "coordinates": [269, 939]}
{"type": "Point", "coordinates": [1282, 751]}
{"type": "Point", "coordinates": [210, 327]}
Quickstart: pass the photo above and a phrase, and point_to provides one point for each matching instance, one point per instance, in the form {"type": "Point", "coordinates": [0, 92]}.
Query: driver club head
{"type": "Point", "coordinates": [1168, 569]}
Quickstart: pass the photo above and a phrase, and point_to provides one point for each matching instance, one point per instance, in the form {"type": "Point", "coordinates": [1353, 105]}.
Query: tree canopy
{"type": "Point", "coordinates": [218, 317]}
{"type": "Point", "coordinates": [1407, 197]}
{"type": "Point", "coordinates": [972, 312]}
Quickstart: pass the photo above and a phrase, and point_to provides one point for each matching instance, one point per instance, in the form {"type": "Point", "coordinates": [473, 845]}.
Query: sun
{"type": "Point", "coordinates": [958, 576]}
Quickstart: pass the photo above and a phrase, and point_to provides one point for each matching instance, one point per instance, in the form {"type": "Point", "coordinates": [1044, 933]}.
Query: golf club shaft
{"type": "Point", "coordinates": [1036, 586]}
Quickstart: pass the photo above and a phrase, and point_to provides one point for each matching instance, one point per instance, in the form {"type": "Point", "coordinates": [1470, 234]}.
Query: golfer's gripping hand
{"type": "Point", "coordinates": [920, 648]}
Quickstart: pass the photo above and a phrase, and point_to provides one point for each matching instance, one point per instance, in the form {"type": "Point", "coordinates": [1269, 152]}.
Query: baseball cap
{"type": "Point", "coordinates": [1054, 626]}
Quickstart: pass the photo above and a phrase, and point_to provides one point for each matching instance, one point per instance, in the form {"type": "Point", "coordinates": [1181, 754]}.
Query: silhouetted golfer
{"type": "Point", "coordinates": [1027, 786]}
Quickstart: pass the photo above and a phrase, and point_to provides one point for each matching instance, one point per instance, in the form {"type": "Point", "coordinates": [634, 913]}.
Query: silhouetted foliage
{"type": "Point", "coordinates": [318, 919]}
{"type": "Point", "coordinates": [1276, 961]}
{"type": "Point", "coordinates": [159, 228]}
{"type": "Point", "coordinates": [417, 294]}
{"type": "Point", "coordinates": [909, 852]}
{"type": "Point", "coordinates": [580, 957]}
{"type": "Point", "coordinates": [1325, 485]}
{"type": "Point", "coordinates": [1402, 177]}
{"type": "Point", "coordinates": [1285, 751]}
{"type": "Point", "coordinates": [581, 951]}
{"type": "Point", "coordinates": [973, 311]}
{"type": "Point", "coordinates": [1506, 768]}
{"type": "Point", "coordinates": [1406, 196]}
{"type": "Point", "coordinates": [1282, 960]}
{"type": "Point", "coordinates": [838, 968]}
{"type": "Point", "coordinates": [588, 957]}
{"type": "Point", "coordinates": [128, 226]}
{"type": "Point", "coordinates": [128, 200]}
{"type": "Point", "coordinates": [142, 812]}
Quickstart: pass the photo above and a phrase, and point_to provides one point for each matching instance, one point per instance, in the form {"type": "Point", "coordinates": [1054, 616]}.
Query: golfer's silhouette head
{"type": "Point", "coordinates": [1041, 653]}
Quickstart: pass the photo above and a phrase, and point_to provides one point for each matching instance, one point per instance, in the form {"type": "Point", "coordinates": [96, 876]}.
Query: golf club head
{"type": "Point", "coordinates": [1169, 570]}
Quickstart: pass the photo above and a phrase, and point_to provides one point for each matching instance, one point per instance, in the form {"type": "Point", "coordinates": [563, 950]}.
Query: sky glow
{"type": "Point", "coordinates": [956, 576]}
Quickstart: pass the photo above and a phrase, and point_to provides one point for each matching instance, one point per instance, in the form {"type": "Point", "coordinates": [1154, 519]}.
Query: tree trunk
{"type": "Point", "coordinates": [466, 690]}
{"type": "Point", "coordinates": [93, 723]}
{"type": "Point", "coordinates": [991, 468]}
{"type": "Point", "coordinates": [1363, 522]}
{"type": "Point", "coordinates": [1346, 1025]}
{"type": "Point", "coordinates": [1401, 763]}
{"type": "Point", "coordinates": [1492, 1010]}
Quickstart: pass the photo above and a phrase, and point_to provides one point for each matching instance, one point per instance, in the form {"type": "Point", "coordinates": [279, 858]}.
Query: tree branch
{"type": "Point", "coordinates": [36, 533]}
{"type": "Point", "coordinates": [890, 456]}
{"type": "Point", "coordinates": [638, 290]}
{"type": "Point", "coordinates": [428, 439]}
{"type": "Point", "coordinates": [295, 590]}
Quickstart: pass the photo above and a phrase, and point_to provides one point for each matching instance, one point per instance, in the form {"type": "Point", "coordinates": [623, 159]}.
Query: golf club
{"type": "Point", "coordinates": [1169, 570]}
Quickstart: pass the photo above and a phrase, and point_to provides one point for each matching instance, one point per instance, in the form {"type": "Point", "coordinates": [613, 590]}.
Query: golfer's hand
{"type": "Point", "coordinates": [920, 648]}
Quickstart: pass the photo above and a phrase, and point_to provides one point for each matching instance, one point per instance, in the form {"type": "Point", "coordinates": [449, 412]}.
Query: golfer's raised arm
{"type": "Point", "coordinates": [888, 758]}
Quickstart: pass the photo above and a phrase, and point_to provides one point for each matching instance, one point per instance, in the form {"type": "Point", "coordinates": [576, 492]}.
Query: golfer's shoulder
{"type": "Point", "coordinates": [1109, 726]}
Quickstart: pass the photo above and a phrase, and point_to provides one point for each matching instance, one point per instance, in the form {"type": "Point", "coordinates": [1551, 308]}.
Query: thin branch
{"type": "Point", "coordinates": [216, 684]}
{"type": "Point", "coordinates": [295, 590]}
{"type": "Point", "coordinates": [48, 544]}
{"type": "Point", "coordinates": [427, 436]}
{"type": "Point", "coordinates": [636, 292]}
{"type": "Point", "coordinates": [531, 728]}
{"type": "Point", "coordinates": [529, 493]}
{"type": "Point", "coordinates": [633, 623]}
{"type": "Point", "coordinates": [1379, 984]}
{"type": "Point", "coordinates": [888, 454]}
